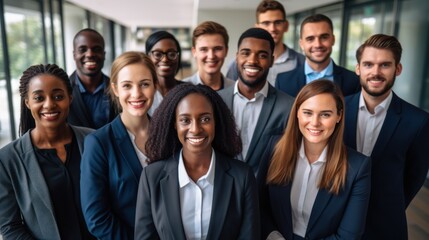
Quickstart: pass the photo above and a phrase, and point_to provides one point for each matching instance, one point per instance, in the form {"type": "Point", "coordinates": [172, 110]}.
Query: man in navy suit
{"type": "Point", "coordinates": [260, 110]}
{"type": "Point", "coordinates": [316, 41]}
{"type": "Point", "coordinates": [91, 106]}
{"type": "Point", "coordinates": [390, 130]}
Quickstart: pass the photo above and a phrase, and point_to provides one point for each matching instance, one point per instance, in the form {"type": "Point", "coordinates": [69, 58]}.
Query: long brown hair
{"type": "Point", "coordinates": [283, 162]}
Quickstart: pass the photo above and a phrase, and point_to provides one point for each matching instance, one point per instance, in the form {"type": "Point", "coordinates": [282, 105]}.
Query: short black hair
{"type": "Point", "coordinates": [258, 33]}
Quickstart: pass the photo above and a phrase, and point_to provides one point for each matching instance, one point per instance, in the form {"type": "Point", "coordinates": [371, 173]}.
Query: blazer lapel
{"type": "Point", "coordinates": [322, 200]}
{"type": "Point", "coordinates": [266, 110]}
{"type": "Point", "coordinates": [221, 192]}
{"type": "Point", "coordinates": [170, 193]}
{"type": "Point", "coordinates": [35, 174]}
{"type": "Point", "coordinates": [126, 148]}
{"type": "Point", "coordinates": [391, 121]}
{"type": "Point", "coordinates": [351, 118]}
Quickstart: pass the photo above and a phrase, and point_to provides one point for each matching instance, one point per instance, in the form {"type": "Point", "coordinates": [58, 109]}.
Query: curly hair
{"type": "Point", "coordinates": [163, 141]}
{"type": "Point", "coordinates": [26, 121]}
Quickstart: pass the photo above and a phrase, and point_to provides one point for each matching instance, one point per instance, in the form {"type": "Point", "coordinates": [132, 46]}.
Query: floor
{"type": "Point", "coordinates": [418, 215]}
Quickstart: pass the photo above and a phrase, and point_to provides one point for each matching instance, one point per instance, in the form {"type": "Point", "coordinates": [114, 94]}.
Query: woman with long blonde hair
{"type": "Point", "coordinates": [314, 186]}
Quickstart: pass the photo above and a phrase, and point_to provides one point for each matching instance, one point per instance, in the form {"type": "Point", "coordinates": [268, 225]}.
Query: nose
{"type": "Point", "coordinates": [135, 92]}
{"type": "Point", "coordinates": [195, 127]}
{"type": "Point", "coordinates": [49, 103]}
{"type": "Point", "coordinates": [317, 41]}
{"type": "Point", "coordinates": [253, 58]}
{"type": "Point", "coordinates": [315, 120]}
{"type": "Point", "coordinates": [210, 53]}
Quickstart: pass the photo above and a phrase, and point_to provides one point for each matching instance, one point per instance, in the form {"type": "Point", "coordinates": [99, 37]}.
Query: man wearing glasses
{"type": "Point", "coordinates": [271, 16]}
{"type": "Point", "coordinates": [209, 48]}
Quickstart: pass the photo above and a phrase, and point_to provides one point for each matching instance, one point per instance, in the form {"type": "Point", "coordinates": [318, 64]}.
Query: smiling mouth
{"type": "Point", "coordinates": [137, 103]}
{"type": "Point", "coordinates": [314, 132]}
{"type": "Point", "coordinates": [195, 141]}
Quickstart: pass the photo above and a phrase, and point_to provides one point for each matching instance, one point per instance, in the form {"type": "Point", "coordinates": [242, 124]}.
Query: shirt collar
{"type": "Point", "coordinates": [283, 57]}
{"type": "Point", "coordinates": [327, 72]}
{"type": "Point", "coordinates": [82, 88]}
{"type": "Point", "coordinates": [263, 92]}
{"type": "Point", "coordinates": [322, 157]}
{"type": "Point", "coordinates": [382, 106]}
{"type": "Point", "coordinates": [184, 178]}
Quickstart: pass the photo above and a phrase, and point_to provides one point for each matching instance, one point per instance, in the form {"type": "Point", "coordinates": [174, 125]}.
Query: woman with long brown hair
{"type": "Point", "coordinates": [314, 186]}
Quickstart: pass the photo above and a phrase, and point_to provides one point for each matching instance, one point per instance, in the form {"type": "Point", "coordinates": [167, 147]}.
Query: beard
{"type": "Point", "coordinates": [380, 92]}
{"type": "Point", "coordinates": [259, 81]}
{"type": "Point", "coordinates": [311, 59]}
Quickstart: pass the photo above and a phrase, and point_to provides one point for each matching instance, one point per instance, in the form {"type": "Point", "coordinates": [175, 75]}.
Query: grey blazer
{"type": "Point", "coordinates": [235, 211]}
{"type": "Point", "coordinates": [272, 121]}
{"type": "Point", "coordinates": [26, 209]}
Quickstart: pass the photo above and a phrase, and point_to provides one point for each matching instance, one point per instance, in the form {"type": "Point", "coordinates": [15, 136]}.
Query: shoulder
{"type": "Point", "coordinates": [159, 169]}
{"type": "Point", "coordinates": [234, 167]}
{"type": "Point", "coordinates": [191, 79]}
{"type": "Point", "coordinates": [344, 71]}
{"type": "Point", "coordinates": [281, 96]}
{"type": "Point", "coordinates": [410, 110]}
{"type": "Point", "coordinates": [227, 91]}
{"type": "Point", "coordinates": [357, 161]}
{"type": "Point", "coordinates": [81, 130]}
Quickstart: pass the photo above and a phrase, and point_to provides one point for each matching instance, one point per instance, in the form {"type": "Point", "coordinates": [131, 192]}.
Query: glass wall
{"type": "Point", "coordinates": [42, 31]}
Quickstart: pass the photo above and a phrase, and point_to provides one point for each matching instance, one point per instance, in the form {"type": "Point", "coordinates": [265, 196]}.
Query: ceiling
{"type": "Point", "coordinates": [176, 13]}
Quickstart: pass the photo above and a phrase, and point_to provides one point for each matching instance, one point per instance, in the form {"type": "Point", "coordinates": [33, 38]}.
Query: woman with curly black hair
{"type": "Point", "coordinates": [193, 188]}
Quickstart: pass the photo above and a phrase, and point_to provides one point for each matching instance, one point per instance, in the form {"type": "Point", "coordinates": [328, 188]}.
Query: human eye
{"type": "Point", "coordinates": [244, 53]}
{"type": "Point", "coordinates": [172, 55]}
{"type": "Point", "coordinates": [385, 65]}
{"type": "Point", "coordinates": [265, 23]}
{"type": "Point", "coordinates": [38, 98]}
{"type": "Point", "coordinates": [97, 49]}
{"type": "Point", "coordinates": [307, 113]}
{"type": "Point", "coordinates": [262, 55]}
{"type": "Point", "coordinates": [82, 49]}
{"type": "Point", "coordinates": [157, 54]}
{"type": "Point", "coordinates": [205, 119]}
{"type": "Point", "coordinates": [325, 115]}
{"type": "Point", "coordinates": [184, 121]}
{"type": "Point", "coordinates": [145, 84]}
{"type": "Point", "coordinates": [366, 64]}
{"type": "Point", "coordinates": [59, 97]}
{"type": "Point", "coordinates": [309, 39]}
{"type": "Point", "coordinates": [218, 48]}
{"type": "Point", "coordinates": [278, 22]}
{"type": "Point", "coordinates": [204, 49]}
{"type": "Point", "coordinates": [126, 86]}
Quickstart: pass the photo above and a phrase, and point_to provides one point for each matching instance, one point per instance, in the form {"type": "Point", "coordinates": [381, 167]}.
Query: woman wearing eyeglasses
{"type": "Point", "coordinates": [164, 51]}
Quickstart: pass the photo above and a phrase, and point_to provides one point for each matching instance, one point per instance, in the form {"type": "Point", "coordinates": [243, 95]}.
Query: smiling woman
{"type": "Point", "coordinates": [39, 172]}
{"type": "Point", "coordinates": [206, 194]}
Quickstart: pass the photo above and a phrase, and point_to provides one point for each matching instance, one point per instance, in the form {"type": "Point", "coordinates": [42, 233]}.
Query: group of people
{"type": "Point", "coordinates": [285, 146]}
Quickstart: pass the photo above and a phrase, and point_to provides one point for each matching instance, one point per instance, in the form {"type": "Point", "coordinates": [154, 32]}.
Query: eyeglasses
{"type": "Point", "coordinates": [276, 23]}
{"type": "Point", "coordinates": [159, 55]}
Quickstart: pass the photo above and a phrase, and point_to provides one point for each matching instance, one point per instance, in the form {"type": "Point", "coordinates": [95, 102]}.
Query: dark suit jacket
{"type": "Point", "coordinates": [110, 171]}
{"type": "Point", "coordinates": [339, 216]}
{"type": "Point", "coordinates": [235, 212]}
{"type": "Point", "coordinates": [291, 82]}
{"type": "Point", "coordinates": [26, 210]}
{"type": "Point", "coordinates": [79, 114]}
{"type": "Point", "coordinates": [272, 121]}
{"type": "Point", "coordinates": [399, 164]}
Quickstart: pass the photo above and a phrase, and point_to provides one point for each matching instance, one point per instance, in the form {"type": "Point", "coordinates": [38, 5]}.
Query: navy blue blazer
{"type": "Point", "coordinates": [291, 82]}
{"type": "Point", "coordinates": [339, 216]}
{"type": "Point", "coordinates": [79, 114]}
{"type": "Point", "coordinates": [399, 164]}
{"type": "Point", "coordinates": [235, 212]}
{"type": "Point", "coordinates": [110, 171]}
{"type": "Point", "coordinates": [272, 121]}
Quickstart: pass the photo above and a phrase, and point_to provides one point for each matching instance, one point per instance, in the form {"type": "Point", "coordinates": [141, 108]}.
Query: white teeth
{"type": "Point", "coordinates": [137, 103]}
{"type": "Point", "coordinates": [90, 63]}
{"type": "Point", "coordinates": [252, 70]}
{"type": "Point", "coordinates": [195, 140]}
{"type": "Point", "coordinates": [50, 114]}
{"type": "Point", "coordinates": [314, 131]}
{"type": "Point", "coordinates": [164, 67]}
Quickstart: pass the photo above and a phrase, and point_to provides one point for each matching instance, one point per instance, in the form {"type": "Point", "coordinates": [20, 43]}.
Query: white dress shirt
{"type": "Point", "coordinates": [246, 113]}
{"type": "Point", "coordinates": [140, 155]}
{"type": "Point", "coordinates": [157, 99]}
{"type": "Point", "coordinates": [196, 200]}
{"type": "Point", "coordinates": [305, 188]}
{"type": "Point", "coordinates": [369, 125]}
